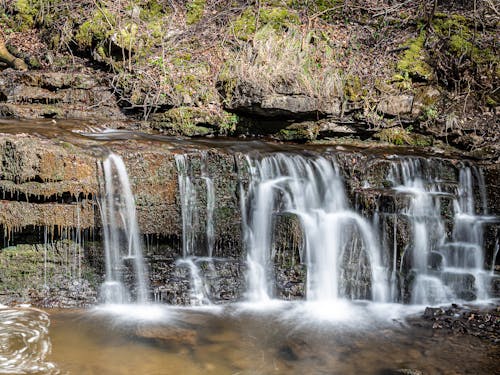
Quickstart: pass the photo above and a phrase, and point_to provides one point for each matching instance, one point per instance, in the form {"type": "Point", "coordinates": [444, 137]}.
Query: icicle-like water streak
{"type": "Point", "coordinates": [310, 188]}
{"type": "Point", "coordinates": [187, 194]}
{"type": "Point", "coordinates": [121, 234]}
{"type": "Point", "coordinates": [210, 225]}
{"type": "Point", "coordinates": [189, 212]}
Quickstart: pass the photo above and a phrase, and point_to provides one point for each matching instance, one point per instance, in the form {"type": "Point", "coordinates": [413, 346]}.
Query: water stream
{"type": "Point", "coordinates": [122, 242]}
{"type": "Point", "coordinates": [362, 279]}
{"type": "Point", "coordinates": [312, 189]}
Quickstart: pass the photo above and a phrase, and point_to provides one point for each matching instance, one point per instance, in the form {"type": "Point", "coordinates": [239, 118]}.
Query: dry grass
{"type": "Point", "coordinates": [286, 63]}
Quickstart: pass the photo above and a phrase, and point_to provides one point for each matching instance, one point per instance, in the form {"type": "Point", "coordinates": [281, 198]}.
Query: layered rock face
{"type": "Point", "coordinates": [53, 252]}
{"type": "Point", "coordinates": [58, 95]}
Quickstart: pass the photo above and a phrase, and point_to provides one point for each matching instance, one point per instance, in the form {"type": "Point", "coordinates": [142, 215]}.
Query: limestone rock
{"type": "Point", "coordinates": [395, 105]}
{"type": "Point", "coordinates": [425, 97]}
{"type": "Point", "coordinates": [168, 334]}
{"type": "Point", "coordinates": [248, 99]}
{"type": "Point", "coordinates": [61, 95]}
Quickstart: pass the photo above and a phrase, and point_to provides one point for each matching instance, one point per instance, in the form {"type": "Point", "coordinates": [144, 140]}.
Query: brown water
{"type": "Point", "coordinates": [236, 340]}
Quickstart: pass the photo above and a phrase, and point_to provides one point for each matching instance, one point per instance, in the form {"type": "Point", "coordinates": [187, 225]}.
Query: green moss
{"type": "Point", "coordinates": [127, 37]}
{"type": "Point", "coordinates": [490, 102]}
{"type": "Point", "coordinates": [326, 9]}
{"type": "Point", "coordinates": [413, 62]}
{"type": "Point", "coordinates": [96, 29]}
{"type": "Point", "coordinates": [227, 123]}
{"type": "Point", "coordinates": [396, 136]}
{"type": "Point", "coordinates": [456, 29]}
{"type": "Point", "coordinates": [429, 113]}
{"type": "Point", "coordinates": [195, 9]}
{"type": "Point", "coordinates": [30, 13]}
{"type": "Point", "coordinates": [278, 18]}
{"type": "Point", "coordinates": [400, 136]}
{"type": "Point", "coordinates": [245, 25]}
{"type": "Point", "coordinates": [304, 132]}
{"type": "Point", "coordinates": [353, 88]}
{"type": "Point", "coordinates": [191, 121]}
{"type": "Point", "coordinates": [26, 13]}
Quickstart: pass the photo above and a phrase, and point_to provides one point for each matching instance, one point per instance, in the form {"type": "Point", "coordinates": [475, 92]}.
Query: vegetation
{"type": "Point", "coordinates": [187, 62]}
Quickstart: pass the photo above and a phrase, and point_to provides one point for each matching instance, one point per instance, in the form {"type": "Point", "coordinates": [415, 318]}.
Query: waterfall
{"type": "Point", "coordinates": [311, 189]}
{"type": "Point", "coordinates": [187, 194]}
{"type": "Point", "coordinates": [465, 253]}
{"type": "Point", "coordinates": [199, 292]}
{"type": "Point", "coordinates": [189, 213]}
{"type": "Point", "coordinates": [427, 227]}
{"type": "Point", "coordinates": [210, 229]}
{"type": "Point", "coordinates": [122, 242]}
{"type": "Point", "coordinates": [444, 267]}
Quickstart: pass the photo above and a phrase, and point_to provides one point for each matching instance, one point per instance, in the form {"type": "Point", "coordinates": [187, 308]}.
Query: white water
{"type": "Point", "coordinates": [199, 295]}
{"type": "Point", "coordinates": [210, 225]}
{"type": "Point", "coordinates": [445, 268]}
{"type": "Point", "coordinates": [466, 250]}
{"type": "Point", "coordinates": [189, 211]}
{"type": "Point", "coordinates": [187, 194]}
{"type": "Point", "coordinates": [121, 234]}
{"type": "Point", "coordinates": [311, 189]}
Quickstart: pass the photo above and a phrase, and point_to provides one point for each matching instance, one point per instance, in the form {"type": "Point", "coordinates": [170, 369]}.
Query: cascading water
{"type": "Point", "coordinates": [189, 211]}
{"type": "Point", "coordinates": [443, 269]}
{"type": "Point", "coordinates": [121, 234]}
{"type": "Point", "coordinates": [210, 229]}
{"type": "Point", "coordinates": [311, 189]}
{"type": "Point", "coordinates": [187, 194]}
{"type": "Point", "coordinates": [465, 253]}
{"type": "Point", "coordinates": [427, 228]}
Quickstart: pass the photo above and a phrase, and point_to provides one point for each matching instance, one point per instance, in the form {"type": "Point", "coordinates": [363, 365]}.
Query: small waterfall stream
{"type": "Point", "coordinates": [122, 241]}
{"type": "Point", "coordinates": [446, 266]}
{"type": "Point", "coordinates": [311, 189]}
{"type": "Point", "coordinates": [341, 249]}
{"type": "Point", "coordinates": [189, 210]}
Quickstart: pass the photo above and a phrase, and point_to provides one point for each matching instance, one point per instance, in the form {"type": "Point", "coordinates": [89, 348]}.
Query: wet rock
{"type": "Point", "coordinates": [296, 350]}
{"type": "Point", "coordinates": [248, 99]}
{"type": "Point", "coordinates": [402, 371]}
{"type": "Point", "coordinates": [54, 275]}
{"type": "Point", "coordinates": [480, 322]}
{"type": "Point", "coordinates": [169, 335]}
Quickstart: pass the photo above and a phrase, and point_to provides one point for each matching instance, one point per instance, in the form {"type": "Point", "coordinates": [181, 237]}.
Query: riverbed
{"type": "Point", "coordinates": [279, 338]}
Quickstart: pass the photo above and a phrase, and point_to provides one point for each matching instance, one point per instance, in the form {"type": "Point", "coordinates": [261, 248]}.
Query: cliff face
{"type": "Point", "coordinates": [421, 73]}
{"type": "Point", "coordinates": [53, 252]}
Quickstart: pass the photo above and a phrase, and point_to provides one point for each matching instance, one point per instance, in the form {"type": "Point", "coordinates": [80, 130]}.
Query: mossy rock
{"type": "Point", "coordinates": [195, 121]}
{"type": "Point", "coordinates": [413, 62]}
{"type": "Point", "coordinates": [301, 132]}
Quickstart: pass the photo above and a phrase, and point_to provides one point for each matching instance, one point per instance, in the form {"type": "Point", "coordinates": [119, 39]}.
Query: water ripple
{"type": "Point", "coordinates": [24, 341]}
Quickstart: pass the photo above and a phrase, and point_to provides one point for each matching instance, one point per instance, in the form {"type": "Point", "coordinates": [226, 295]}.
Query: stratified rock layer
{"type": "Point", "coordinates": [50, 193]}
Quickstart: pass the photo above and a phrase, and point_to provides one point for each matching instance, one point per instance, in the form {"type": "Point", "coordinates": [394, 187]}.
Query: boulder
{"type": "Point", "coordinates": [395, 105]}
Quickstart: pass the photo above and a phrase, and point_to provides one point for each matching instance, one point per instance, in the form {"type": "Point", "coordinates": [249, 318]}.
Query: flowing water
{"type": "Point", "coordinates": [348, 323]}
{"type": "Point", "coordinates": [122, 241]}
{"type": "Point", "coordinates": [24, 341]}
{"type": "Point", "coordinates": [189, 211]}
{"type": "Point", "coordinates": [160, 340]}
{"type": "Point", "coordinates": [444, 266]}
{"type": "Point", "coordinates": [312, 189]}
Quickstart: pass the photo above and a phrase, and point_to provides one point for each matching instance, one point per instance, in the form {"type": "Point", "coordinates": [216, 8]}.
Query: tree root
{"type": "Point", "coordinates": [9, 59]}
